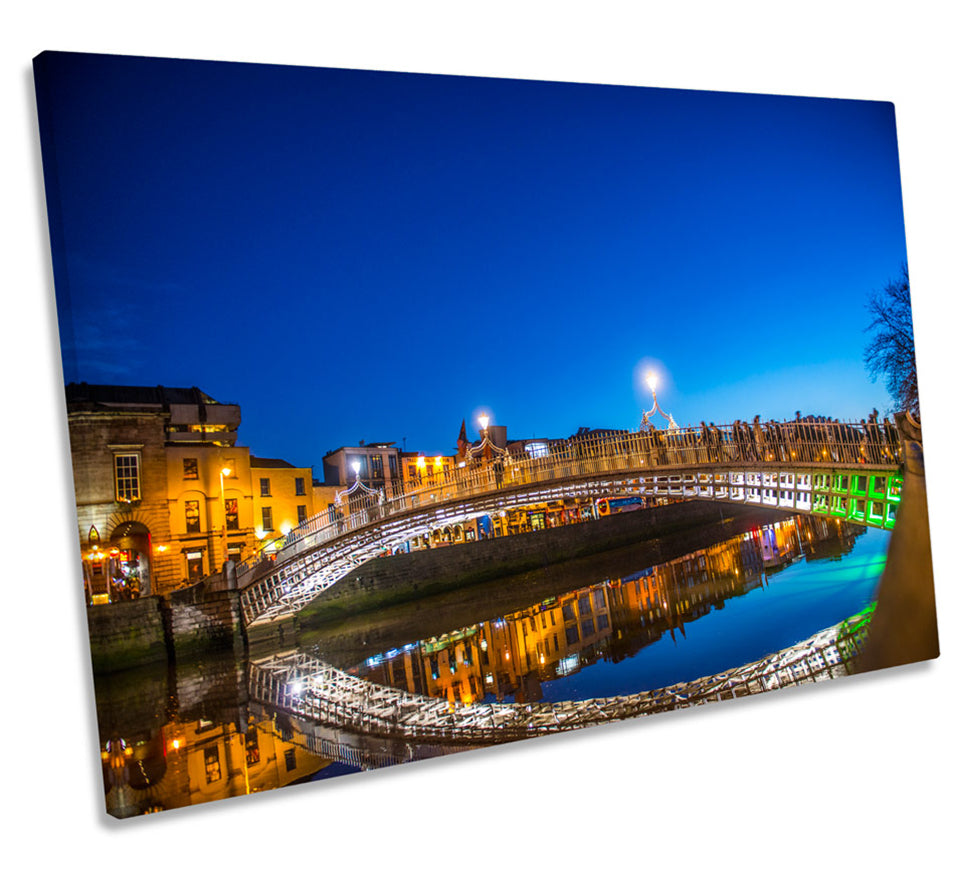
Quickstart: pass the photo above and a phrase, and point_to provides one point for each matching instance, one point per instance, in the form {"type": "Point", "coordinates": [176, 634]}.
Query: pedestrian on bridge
{"type": "Point", "coordinates": [759, 440]}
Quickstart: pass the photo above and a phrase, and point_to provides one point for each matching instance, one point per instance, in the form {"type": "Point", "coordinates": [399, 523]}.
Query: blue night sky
{"type": "Point", "coordinates": [357, 255]}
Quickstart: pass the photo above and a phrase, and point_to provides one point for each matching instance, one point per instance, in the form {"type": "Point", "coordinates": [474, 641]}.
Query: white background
{"type": "Point", "coordinates": [851, 776]}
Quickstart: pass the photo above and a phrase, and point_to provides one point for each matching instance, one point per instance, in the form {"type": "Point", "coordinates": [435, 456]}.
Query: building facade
{"type": "Point", "coordinates": [376, 464]}
{"type": "Point", "coordinates": [164, 496]}
{"type": "Point", "coordinates": [282, 497]}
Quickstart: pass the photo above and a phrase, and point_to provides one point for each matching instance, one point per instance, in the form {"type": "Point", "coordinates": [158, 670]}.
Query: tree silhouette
{"type": "Point", "coordinates": [891, 352]}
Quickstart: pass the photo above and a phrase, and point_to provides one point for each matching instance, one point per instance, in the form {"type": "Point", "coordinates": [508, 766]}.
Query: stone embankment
{"type": "Point", "coordinates": [186, 624]}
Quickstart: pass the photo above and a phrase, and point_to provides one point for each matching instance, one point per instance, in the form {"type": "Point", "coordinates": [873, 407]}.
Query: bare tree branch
{"type": "Point", "coordinates": [891, 351]}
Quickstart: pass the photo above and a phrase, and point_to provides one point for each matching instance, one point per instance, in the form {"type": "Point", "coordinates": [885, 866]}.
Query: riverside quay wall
{"type": "Point", "coordinates": [395, 580]}
{"type": "Point", "coordinates": [183, 625]}
{"type": "Point", "coordinates": [206, 619]}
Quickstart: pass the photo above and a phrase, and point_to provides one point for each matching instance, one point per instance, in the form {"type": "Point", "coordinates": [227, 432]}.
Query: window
{"type": "Point", "coordinates": [265, 488]}
{"type": "Point", "coordinates": [127, 477]}
{"type": "Point", "coordinates": [192, 517]}
{"type": "Point", "coordinates": [252, 747]}
{"type": "Point", "coordinates": [393, 466]}
{"type": "Point", "coordinates": [266, 518]}
{"type": "Point", "coordinates": [377, 467]}
{"type": "Point", "coordinates": [302, 513]}
{"type": "Point", "coordinates": [289, 760]}
{"type": "Point", "coordinates": [194, 565]}
{"type": "Point", "coordinates": [232, 513]}
{"type": "Point", "coordinates": [300, 485]}
{"type": "Point", "coordinates": [213, 772]}
{"type": "Point", "coordinates": [190, 468]}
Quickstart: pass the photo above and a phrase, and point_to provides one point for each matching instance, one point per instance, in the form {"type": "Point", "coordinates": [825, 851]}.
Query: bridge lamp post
{"type": "Point", "coordinates": [645, 422]}
{"type": "Point", "coordinates": [225, 471]}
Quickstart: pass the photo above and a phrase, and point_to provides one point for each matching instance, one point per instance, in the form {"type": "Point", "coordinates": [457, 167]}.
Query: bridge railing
{"type": "Point", "coordinates": [789, 443]}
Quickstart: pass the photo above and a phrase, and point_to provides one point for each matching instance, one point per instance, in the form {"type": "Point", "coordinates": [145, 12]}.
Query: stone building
{"type": "Point", "coordinates": [163, 493]}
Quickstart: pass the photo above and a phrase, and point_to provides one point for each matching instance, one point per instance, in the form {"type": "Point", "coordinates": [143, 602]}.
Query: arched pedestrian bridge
{"type": "Point", "coordinates": [841, 470]}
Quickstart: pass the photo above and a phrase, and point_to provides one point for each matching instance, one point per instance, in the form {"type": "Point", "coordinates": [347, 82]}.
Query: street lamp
{"type": "Point", "coordinates": [645, 422]}
{"type": "Point", "coordinates": [225, 471]}
{"type": "Point", "coordinates": [484, 421]}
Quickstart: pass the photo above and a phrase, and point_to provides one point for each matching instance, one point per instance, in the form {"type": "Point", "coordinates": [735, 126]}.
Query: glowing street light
{"type": "Point", "coordinates": [645, 422]}
{"type": "Point", "coordinates": [483, 420]}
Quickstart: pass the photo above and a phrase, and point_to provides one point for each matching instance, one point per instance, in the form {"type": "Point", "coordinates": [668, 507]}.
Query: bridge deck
{"type": "Point", "coordinates": [829, 469]}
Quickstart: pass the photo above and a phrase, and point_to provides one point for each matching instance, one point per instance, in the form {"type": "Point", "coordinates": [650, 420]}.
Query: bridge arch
{"type": "Point", "coordinates": [814, 470]}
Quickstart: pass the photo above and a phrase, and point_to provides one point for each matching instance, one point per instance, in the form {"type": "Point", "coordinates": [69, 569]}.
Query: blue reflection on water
{"type": "Point", "coordinates": [792, 605]}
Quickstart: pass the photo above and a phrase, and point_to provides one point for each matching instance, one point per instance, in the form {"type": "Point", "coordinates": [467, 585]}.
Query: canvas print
{"type": "Point", "coordinates": [412, 414]}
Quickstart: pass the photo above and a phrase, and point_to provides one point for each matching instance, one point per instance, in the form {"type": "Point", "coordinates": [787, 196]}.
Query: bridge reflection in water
{"type": "Point", "coordinates": [299, 716]}
{"type": "Point", "coordinates": [484, 683]}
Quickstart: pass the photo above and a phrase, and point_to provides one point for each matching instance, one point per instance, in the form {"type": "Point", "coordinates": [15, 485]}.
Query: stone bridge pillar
{"type": "Point", "coordinates": [904, 627]}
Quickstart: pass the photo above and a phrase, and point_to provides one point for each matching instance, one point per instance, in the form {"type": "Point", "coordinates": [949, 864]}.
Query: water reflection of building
{"type": "Point", "coordinates": [509, 658]}
{"type": "Point", "coordinates": [200, 761]}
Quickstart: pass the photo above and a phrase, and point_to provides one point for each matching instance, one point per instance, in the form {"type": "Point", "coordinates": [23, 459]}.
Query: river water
{"type": "Point", "coordinates": [172, 737]}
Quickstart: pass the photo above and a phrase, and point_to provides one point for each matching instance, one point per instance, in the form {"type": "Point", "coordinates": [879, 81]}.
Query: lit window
{"type": "Point", "coordinates": [127, 477]}
{"type": "Point", "coordinates": [193, 524]}
{"type": "Point", "coordinates": [232, 513]}
{"type": "Point", "coordinates": [190, 468]}
{"type": "Point", "coordinates": [252, 747]}
{"type": "Point", "coordinates": [194, 565]}
{"type": "Point", "coordinates": [213, 772]}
